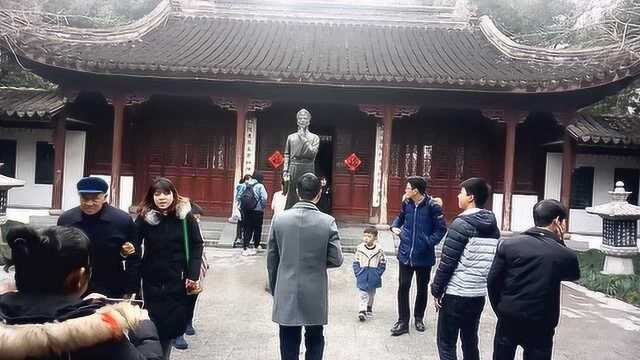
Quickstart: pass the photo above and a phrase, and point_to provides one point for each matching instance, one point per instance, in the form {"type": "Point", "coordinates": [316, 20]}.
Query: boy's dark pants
{"type": "Point", "coordinates": [459, 315]}
{"type": "Point", "coordinates": [536, 340]}
{"type": "Point", "coordinates": [291, 336]}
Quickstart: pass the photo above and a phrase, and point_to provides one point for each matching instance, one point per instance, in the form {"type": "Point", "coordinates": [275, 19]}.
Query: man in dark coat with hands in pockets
{"type": "Point", "coordinates": [303, 243]}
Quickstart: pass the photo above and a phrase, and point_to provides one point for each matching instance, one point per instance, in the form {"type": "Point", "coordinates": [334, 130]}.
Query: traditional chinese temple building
{"type": "Point", "coordinates": [205, 91]}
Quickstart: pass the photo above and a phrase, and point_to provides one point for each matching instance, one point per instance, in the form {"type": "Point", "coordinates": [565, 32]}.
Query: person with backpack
{"type": "Point", "coordinates": [252, 197]}
{"type": "Point", "coordinates": [420, 226]}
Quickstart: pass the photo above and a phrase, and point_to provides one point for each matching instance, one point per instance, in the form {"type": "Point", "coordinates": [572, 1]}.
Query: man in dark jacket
{"type": "Point", "coordinates": [524, 284]}
{"type": "Point", "coordinates": [111, 231]}
{"type": "Point", "coordinates": [420, 226]}
{"type": "Point", "coordinates": [460, 283]}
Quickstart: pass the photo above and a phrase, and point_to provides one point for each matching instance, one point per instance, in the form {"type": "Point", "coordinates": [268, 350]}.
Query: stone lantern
{"type": "Point", "coordinates": [6, 183]}
{"type": "Point", "coordinates": [619, 231]}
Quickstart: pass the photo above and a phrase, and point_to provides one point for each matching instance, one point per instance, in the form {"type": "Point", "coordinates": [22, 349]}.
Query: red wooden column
{"type": "Point", "coordinates": [511, 119]}
{"type": "Point", "coordinates": [59, 140]}
{"type": "Point", "coordinates": [568, 158]}
{"type": "Point", "coordinates": [511, 123]}
{"type": "Point", "coordinates": [241, 118]}
{"type": "Point", "coordinates": [387, 132]}
{"type": "Point", "coordinates": [116, 151]}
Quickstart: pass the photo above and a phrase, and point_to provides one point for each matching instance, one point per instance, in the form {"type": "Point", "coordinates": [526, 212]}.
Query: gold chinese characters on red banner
{"type": "Point", "coordinates": [276, 159]}
{"type": "Point", "coordinates": [352, 162]}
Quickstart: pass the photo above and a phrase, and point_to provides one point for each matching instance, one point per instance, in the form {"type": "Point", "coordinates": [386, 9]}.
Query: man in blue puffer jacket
{"type": "Point", "coordinates": [420, 226]}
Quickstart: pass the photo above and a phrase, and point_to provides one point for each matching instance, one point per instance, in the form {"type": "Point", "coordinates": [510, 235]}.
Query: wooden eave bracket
{"type": "Point", "coordinates": [502, 115]}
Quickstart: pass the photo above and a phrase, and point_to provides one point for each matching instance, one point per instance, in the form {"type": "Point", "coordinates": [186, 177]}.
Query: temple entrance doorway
{"type": "Point", "coordinates": [324, 165]}
{"type": "Point", "coordinates": [344, 132]}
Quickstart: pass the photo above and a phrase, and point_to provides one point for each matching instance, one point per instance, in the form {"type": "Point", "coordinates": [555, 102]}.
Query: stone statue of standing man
{"type": "Point", "coordinates": [299, 155]}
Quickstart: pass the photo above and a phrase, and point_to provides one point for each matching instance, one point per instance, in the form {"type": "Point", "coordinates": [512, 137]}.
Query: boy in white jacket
{"type": "Point", "coordinates": [368, 266]}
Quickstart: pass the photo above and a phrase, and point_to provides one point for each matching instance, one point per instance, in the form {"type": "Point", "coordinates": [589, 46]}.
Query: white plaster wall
{"type": "Point", "coordinates": [604, 167]}
{"type": "Point", "coordinates": [34, 195]}
{"type": "Point", "coordinates": [74, 153]}
{"type": "Point", "coordinates": [31, 195]}
{"type": "Point", "coordinates": [521, 210]}
{"type": "Point", "coordinates": [24, 215]}
{"type": "Point", "coordinates": [126, 190]}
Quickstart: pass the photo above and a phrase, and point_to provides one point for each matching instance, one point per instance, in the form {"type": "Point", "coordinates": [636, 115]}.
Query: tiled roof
{"type": "Point", "coordinates": [29, 103]}
{"type": "Point", "coordinates": [408, 47]}
{"type": "Point", "coordinates": [606, 130]}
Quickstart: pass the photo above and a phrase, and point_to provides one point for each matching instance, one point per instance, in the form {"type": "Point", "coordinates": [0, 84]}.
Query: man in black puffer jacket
{"type": "Point", "coordinates": [524, 284]}
{"type": "Point", "coordinates": [460, 283]}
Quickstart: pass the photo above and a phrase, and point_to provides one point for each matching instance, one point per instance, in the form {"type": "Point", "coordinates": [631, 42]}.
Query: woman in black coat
{"type": "Point", "coordinates": [46, 318]}
{"type": "Point", "coordinates": [171, 263]}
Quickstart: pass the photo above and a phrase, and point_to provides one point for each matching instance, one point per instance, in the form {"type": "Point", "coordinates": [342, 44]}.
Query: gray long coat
{"type": "Point", "coordinates": [303, 243]}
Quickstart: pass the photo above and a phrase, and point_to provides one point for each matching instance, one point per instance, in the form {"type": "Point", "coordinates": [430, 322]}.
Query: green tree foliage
{"type": "Point", "coordinates": [525, 17]}
{"type": "Point", "coordinates": [100, 12]}
{"type": "Point", "coordinates": [80, 13]}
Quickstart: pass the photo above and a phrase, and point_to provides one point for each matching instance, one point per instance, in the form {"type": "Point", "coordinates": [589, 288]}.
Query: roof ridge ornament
{"type": "Point", "coordinates": [115, 34]}
{"type": "Point", "coordinates": [515, 50]}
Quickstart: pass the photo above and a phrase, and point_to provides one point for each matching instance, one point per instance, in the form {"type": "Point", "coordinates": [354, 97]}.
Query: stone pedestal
{"type": "Point", "coordinates": [614, 265]}
{"type": "Point", "coordinates": [619, 231]}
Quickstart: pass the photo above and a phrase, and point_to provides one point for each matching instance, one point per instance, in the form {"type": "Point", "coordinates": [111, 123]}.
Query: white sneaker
{"type": "Point", "coordinates": [253, 251]}
{"type": "Point", "coordinates": [245, 252]}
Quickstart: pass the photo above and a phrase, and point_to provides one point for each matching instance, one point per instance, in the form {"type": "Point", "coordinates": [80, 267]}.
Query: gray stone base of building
{"type": "Point", "coordinates": [614, 265]}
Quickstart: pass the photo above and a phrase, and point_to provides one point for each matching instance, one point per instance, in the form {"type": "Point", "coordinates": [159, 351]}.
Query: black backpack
{"type": "Point", "coordinates": [248, 200]}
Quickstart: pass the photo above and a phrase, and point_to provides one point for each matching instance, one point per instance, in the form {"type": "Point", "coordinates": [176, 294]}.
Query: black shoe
{"type": "Point", "coordinates": [399, 328]}
{"type": "Point", "coordinates": [190, 330]}
{"type": "Point", "coordinates": [180, 343]}
{"type": "Point", "coordinates": [362, 316]}
{"type": "Point", "coordinates": [420, 325]}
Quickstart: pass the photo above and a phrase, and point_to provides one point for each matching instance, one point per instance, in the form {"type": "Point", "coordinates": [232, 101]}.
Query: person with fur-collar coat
{"type": "Point", "coordinates": [46, 318]}
{"type": "Point", "coordinates": [170, 263]}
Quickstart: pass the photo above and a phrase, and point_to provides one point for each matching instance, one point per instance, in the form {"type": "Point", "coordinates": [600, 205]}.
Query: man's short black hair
{"type": "Point", "coordinates": [371, 230]}
{"type": "Point", "coordinates": [308, 186]}
{"type": "Point", "coordinates": [546, 210]}
{"type": "Point", "coordinates": [478, 188]}
{"type": "Point", "coordinates": [419, 183]}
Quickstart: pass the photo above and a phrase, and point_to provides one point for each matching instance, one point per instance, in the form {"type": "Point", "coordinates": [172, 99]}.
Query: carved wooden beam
{"type": "Point", "coordinates": [399, 111]}
{"type": "Point", "coordinates": [232, 104]}
{"type": "Point", "coordinates": [128, 99]}
{"type": "Point", "coordinates": [226, 103]}
{"type": "Point", "coordinates": [258, 105]}
{"type": "Point", "coordinates": [500, 115]}
{"type": "Point", "coordinates": [374, 110]}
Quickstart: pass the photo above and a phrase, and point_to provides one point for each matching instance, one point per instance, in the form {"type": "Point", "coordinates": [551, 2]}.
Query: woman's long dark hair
{"type": "Point", "coordinates": [44, 259]}
{"type": "Point", "coordinates": [159, 184]}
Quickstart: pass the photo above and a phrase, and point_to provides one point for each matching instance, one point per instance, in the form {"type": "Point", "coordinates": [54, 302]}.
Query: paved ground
{"type": "Point", "coordinates": [233, 320]}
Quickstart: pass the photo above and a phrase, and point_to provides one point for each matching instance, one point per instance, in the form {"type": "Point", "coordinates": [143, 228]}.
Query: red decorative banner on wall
{"type": "Point", "coordinates": [276, 159]}
{"type": "Point", "coordinates": [353, 162]}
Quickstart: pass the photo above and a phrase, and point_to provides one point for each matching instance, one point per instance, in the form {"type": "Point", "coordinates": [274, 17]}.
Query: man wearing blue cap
{"type": "Point", "coordinates": [115, 260]}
